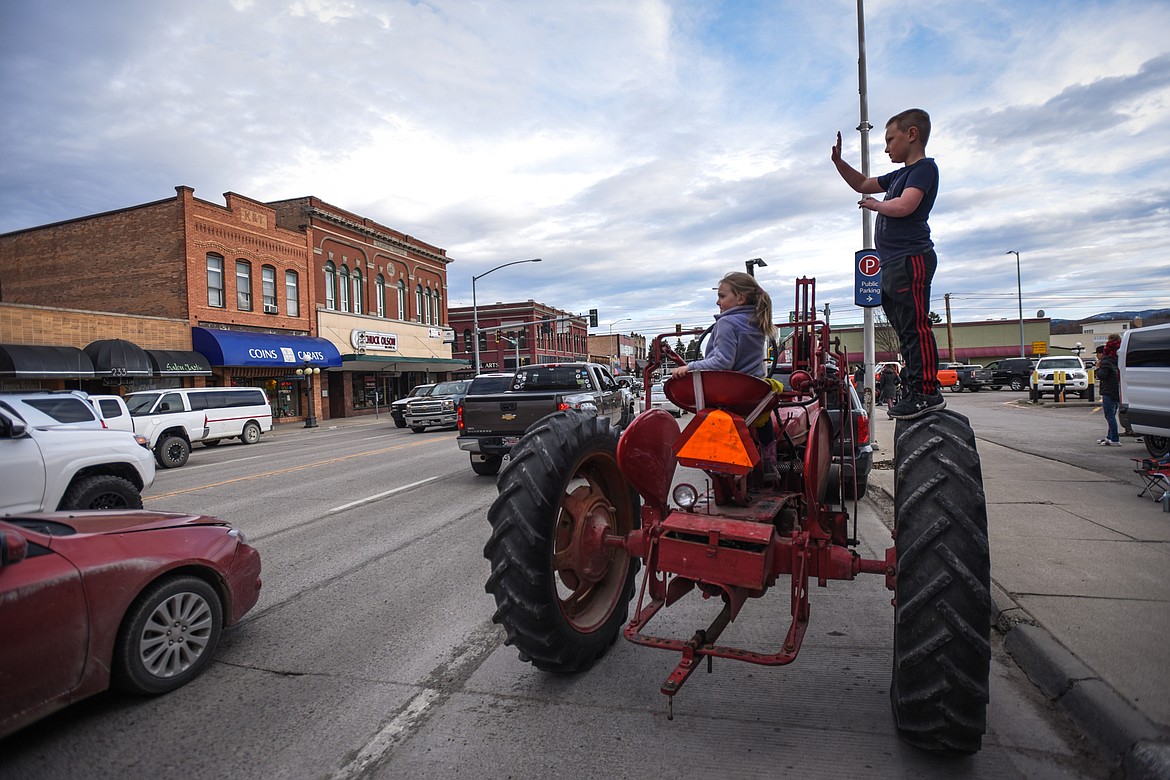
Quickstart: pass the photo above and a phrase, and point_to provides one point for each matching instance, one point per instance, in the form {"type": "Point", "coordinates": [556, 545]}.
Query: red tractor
{"type": "Point", "coordinates": [579, 507]}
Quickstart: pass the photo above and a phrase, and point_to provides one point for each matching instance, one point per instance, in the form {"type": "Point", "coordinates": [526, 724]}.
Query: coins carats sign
{"type": "Point", "coordinates": [867, 277]}
{"type": "Point", "coordinates": [373, 340]}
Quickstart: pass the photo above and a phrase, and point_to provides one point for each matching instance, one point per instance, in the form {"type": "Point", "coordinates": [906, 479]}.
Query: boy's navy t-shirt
{"type": "Point", "coordinates": [909, 235]}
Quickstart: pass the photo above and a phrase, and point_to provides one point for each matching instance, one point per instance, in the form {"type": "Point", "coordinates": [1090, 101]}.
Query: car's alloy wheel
{"type": "Point", "coordinates": [168, 635]}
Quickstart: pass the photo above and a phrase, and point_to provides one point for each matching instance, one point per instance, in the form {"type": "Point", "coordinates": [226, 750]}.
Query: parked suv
{"type": "Point", "coordinates": [172, 420]}
{"type": "Point", "coordinates": [52, 467]}
{"type": "Point", "coordinates": [1015, 373]}
{"type": "Point", "coordinates": [42, 408]}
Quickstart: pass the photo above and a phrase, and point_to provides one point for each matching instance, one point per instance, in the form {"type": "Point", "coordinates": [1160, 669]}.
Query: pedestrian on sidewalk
{"type": "Point", "coordinates": [888, 391]}
{"type": "Point", "coordinates": [1110, 377]}
{"type": "Point", "coordinates": [908, 261]}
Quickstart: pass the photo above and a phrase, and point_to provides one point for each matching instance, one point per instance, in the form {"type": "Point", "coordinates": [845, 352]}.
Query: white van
{"type": "Point", "coordinates": [173, 420]}
{"type": "Point", "coordinates": [1144, 360]}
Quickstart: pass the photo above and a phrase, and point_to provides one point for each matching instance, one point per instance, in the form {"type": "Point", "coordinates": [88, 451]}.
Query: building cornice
{"type": "Point", "coordinates": [381, 239]}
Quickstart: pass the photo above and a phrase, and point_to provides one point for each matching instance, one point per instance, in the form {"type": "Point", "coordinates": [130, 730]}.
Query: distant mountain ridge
{"type": "Point", "coordinates": [1148, 317]}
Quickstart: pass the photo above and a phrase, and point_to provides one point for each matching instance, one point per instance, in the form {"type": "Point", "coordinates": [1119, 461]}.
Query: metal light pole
{"type": "Point", "coordinates": [868, 347]}
{"type": "Point", "coordinates": [475, 307]}
{"type": "Point", "coordinates": [1019, 297]}
{"type": "Point", "coordinates": [751, 264]}
{"type": "Point", "coordinates": [308, 372]}
{"type": "Point", "coordinates": [611, 344]}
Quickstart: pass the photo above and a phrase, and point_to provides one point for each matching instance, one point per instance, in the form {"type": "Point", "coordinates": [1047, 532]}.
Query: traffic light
{"type": "Point", "coordinates": [593, 318]}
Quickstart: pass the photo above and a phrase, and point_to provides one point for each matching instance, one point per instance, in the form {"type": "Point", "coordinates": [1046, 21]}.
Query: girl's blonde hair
{"type": "Point", "coordinates": [746, 285]}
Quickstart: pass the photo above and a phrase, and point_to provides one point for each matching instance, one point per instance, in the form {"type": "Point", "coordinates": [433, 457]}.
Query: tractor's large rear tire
{"type": "Point", "coordinates": [944, 610]}
{"type": "Point", "coordinates": [561, 594]}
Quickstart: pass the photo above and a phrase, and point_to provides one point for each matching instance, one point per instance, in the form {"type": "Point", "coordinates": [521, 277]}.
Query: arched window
{"type": "Point", "coordinates": [243, 285]}
{"type": "Point", "coordinates": [401, 299]}
{"type": "Point", "coordinates": [419, 311]}
{"type": "Point", "coordinates": [268, 288]}
{"type": "Point", "coordinates": [330, 285]}
{"type": "Point", "coordinates": [380, 295]}
{"type": "Point", "coordinates": [358, 303]}
{"type": "Point", "coordinates": [292, 304]}
{"type": "Point", "coordinates": [428, 305]}
{"type": "Point", "coordinates": [343, 288]}
{"type": "Point", "coordinates": [438, 308]}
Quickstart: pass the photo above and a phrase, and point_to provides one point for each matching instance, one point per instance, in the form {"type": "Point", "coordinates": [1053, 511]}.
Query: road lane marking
{"type": "Point", "coordinates": [290, 470]}
{"type": "Point", "coordinates": [379, 496]}
{"type": "Point", "coordinates": [389, 736]}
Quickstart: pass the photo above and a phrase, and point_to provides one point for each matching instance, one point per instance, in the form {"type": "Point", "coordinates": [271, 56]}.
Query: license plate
{"type": "Point", "coordinates": [511, 441]}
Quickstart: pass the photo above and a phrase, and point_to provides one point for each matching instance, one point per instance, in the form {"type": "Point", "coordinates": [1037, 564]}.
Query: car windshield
{"type": "Point", "coordinates": [450, 388]}
{"type": "Point", "coordinates": [421, 390]}
{"type": "Point", "coordinates": [1062, 363]}
{"type": "Point", "coordinates": [657, 392]}
{"type": "Point", "coordinates": [141, 403]}
{"type": "Point", "coordinates": [482, 385]}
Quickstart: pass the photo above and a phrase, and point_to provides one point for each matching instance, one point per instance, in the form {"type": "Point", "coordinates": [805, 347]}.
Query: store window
{"type": "Point", "coordinates": [380, 295]}
{"type": "Point", "coordinates": [358, 302]}
{"type": "Point", "coordinates": [215, 281]}
{"type": "Point", "coordinates": [284, 395]}
{"type": "Point", "coordinates": [292, 306]}
{"type": "Point", "coordinates": [330, 286]}
{"type": "Point", "coordinates": [243, 285]}
{"type": "Point", "coordinates": [367, 393]}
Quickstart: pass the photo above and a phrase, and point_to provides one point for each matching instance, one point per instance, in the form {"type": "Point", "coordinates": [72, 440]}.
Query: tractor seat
{"type": "Point", "coordinates": [730, 391]}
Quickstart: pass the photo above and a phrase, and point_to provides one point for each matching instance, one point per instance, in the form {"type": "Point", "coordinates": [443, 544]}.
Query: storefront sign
{"type": "Point", "coordinates": [373, 340]}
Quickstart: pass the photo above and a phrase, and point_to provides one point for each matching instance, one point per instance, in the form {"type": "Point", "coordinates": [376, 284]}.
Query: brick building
{"type": "Point", "coordinates": [263, 289]}
{"type": "Point", "coordinates": [541, 334]}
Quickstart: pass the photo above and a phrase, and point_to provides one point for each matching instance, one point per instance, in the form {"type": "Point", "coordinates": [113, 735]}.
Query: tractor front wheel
{"type": "Point", "coordinates": [944, 609]}
{"type": "Point", "coordinates": [562, 593]}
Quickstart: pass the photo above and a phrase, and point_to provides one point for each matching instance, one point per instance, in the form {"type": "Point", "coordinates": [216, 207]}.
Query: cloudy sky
{"type": "Point", "coordinates": [641, 147]}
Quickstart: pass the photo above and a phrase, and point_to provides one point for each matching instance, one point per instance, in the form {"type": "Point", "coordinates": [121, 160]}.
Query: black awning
{"type": "Point", "coordinates": [170, 362]}
{"type": "Point", "coordinates": [35, 361]}
{"type": "Point", "coordinates": [118, 357]}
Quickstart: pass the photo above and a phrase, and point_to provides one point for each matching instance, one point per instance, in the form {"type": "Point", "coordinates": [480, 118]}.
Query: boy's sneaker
{"type": "Point", "coordinates": [1103, 442]}
{"type": "Point", "coordinates": [1112, 443]}
{"type": "Point", "coordinates": [916, 405]}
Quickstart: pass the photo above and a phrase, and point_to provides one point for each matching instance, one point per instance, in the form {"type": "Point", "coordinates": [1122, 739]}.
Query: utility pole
{"type": "Point", "coordinates": [950, 333]}
{"type": "Point", "coordinates": [866, 225]}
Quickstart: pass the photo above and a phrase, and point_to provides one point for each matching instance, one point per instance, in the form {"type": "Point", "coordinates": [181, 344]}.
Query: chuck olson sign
{"type": "Point", "coordinates": [373, 340]}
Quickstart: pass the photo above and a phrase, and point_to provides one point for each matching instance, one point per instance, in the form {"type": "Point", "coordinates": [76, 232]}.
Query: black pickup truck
{"type": "Point", "coordinates": [972, 377]}
{"type": "Point", "coordinates": [490, 425]}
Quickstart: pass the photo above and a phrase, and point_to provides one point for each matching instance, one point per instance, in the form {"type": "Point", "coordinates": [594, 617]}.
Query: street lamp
{"type": "Point", "coordinates": [752, 263]}
{"type": "Point", "coordinates": [1019, 297]}
{"type": "Point", "coordinates": [475, 307]}
{"type": "Point", "coordinates": [308, 372]}
{"type": "Point", "coordinates": [612, 351]}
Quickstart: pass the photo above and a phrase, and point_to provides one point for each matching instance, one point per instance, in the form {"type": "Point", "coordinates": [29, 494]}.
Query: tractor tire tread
{"type": "Point", "coordinates": [519, 547]}
{"type": "Point", "coordinates": [944, 612]}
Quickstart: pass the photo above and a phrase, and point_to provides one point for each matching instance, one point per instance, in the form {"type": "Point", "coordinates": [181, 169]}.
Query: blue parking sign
{"type": "Point", "coordinates": [867, 277]}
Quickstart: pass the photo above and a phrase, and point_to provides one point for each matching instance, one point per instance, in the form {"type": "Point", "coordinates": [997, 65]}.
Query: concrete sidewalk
{"type": "Point", "coordinates": [1081, 575]}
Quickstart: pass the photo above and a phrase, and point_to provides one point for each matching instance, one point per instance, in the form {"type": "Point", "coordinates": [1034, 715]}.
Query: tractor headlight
{"type": "Point", "coordinates": [686, 496]}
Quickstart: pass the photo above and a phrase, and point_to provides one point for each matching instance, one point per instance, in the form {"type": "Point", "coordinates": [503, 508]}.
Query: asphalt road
{"type": "Point", "coordinates": [372, 654]}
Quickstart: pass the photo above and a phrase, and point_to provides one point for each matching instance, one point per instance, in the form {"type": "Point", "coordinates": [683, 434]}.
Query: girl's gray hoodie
{"type": "Point", "coordinates": [736, 344]}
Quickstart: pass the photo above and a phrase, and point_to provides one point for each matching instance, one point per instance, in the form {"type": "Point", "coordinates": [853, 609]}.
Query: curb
{"type": "Point", "coordinates": [1129, 739]}
{"type": "Point", "coordinates": [1127, 736]}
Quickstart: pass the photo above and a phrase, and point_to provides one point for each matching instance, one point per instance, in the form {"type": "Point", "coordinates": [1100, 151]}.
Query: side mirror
{"type": "Point", "coordinates": [17, 429]}
{"type": "Point", "coordinates": [13, 548]}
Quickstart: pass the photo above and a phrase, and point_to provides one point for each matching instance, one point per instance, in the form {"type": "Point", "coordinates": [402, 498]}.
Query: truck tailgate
{"type": "Point", "coordinates": [505, 414]}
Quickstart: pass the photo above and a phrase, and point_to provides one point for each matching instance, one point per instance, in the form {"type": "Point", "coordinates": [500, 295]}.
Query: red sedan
{"type": "Point", "coordinates": [134, 599]}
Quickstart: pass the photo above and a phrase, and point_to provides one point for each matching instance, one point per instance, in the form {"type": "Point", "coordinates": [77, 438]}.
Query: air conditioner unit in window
{"type": "Point", "coordinates": [270, 308]}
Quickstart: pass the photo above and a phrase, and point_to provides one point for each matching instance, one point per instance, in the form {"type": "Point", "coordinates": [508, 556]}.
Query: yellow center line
{"type": "Point", "coordinates": [291, 469]}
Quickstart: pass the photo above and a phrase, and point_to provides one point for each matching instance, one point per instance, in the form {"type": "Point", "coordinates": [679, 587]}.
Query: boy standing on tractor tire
{"type": "Point", "coordinates": [908, 261]}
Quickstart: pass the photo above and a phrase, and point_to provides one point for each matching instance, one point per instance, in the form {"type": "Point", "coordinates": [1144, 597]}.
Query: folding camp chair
{"type": "Point", "coordinates": [1156, 476]}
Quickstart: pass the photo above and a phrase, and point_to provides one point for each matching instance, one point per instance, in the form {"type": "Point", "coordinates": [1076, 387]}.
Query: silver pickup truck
{"type": "Point", "coordinates": [490, 425]}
